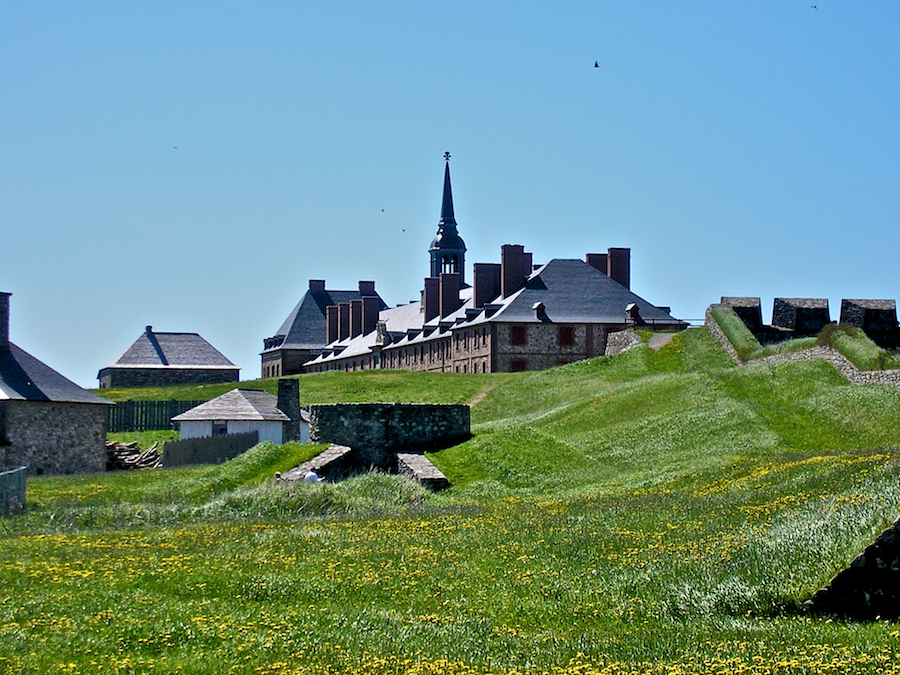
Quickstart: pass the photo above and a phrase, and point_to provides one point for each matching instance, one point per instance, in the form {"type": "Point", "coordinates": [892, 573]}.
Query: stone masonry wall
{"type": "Point", "coordinates": [621, 341]}
{"type": "Point", "coordinates": [55, 438]}
{"type": "Point", "coordinates": [870, 587]}
{"type": "Point", "coordinates": [164, 377]}
{"type": "Point", "coordinates": [377, 431]}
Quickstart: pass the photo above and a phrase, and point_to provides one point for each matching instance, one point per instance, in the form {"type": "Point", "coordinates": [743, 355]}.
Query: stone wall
{"type": "Point", "coordinates": [377, 431]}
{"type": "Point", "coordinates": [115, 378]}
{"type": "Point", "coordinates": [832, 356]}
{"type": "Point", "coordinates": [542, 348]}
{"type": "Point", "coordinates": [54, 438]}
{"type": "Point", "coordinates": [621, 341]}
{"type": "Point", "coordinates": [869, 588]}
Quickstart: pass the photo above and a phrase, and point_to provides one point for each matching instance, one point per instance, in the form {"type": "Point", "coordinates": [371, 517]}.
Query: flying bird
{"type": "Point", "coordinates": [596, 64]}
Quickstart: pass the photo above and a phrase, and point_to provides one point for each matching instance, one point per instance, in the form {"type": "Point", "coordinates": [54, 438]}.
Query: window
{"type": "Point", "coordinates": [566, 336]}
{"type": "Point", "coordinates": [517, 335]}
{"type": "Point", "coordinates": [220, 428]}
{"type": "Point", "coordinates": [518, 366]}
{"type": "Point", "coordinates": [3, 438]}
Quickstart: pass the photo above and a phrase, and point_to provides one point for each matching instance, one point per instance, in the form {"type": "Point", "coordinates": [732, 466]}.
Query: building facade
{"type": "Point", "coordinates": [515, 316]}
{"type": "Point", "coordinates": [47, 422]}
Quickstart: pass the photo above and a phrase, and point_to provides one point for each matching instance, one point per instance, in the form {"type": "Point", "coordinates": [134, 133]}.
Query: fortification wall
{"type": "Point", "coordinates": [377, 431]}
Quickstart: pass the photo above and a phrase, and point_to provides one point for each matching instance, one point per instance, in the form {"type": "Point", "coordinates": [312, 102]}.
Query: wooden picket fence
{"type": "Point", "coordinates": [146, 415]}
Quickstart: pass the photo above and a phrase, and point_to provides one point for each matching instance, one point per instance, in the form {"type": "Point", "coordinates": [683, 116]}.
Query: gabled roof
{"type": "Point", "coordinates": [171, 350]}
{"type": "Point", "coordinates": [574, 292]}
{"type": "Point", "coordinates": [237, 404]}
{"type": "Point", "coordinates": [24, 378]}
{"type": "Point", "coordinates": [305, 326]}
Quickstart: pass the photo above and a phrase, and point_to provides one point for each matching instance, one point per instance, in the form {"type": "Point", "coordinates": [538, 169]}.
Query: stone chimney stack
{"type": "Point", "coordinates": [487, 283]}
{"type": "Point", "coordinates": [356, 318]}
{"type": "Point", "coordinates": [515, 266]}
{"type": "Point", "coordinates": [317, 285]}
{"type": "Point", "coordinates": [450, 284]}
{"type": "Point", "coordinates": [367, 288]}
{"type": "Point", "coordinates": [331, 324]}
{"type": "Point", "coordinates": [431, 298]}
{"type": "Point", "coordinates": [289, 404]}
{"type": "Point", "coordinates": [619, 266]}
{"type": "Point", "coordinates": [343, 321]}
{"type": "Point", "coordinates": [4, 321]}
{"type": "Point", "coordinates": [597, 261]}
{"type": "Point", "coordinates": [371, 309]}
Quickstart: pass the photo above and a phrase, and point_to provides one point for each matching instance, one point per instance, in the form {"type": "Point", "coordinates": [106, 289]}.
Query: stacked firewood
{"type": "Point", "coordinates": [121, 456]}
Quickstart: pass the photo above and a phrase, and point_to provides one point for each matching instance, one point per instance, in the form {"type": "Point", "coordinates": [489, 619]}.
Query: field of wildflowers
{"type": "Point", "coordinates": [659, 513]}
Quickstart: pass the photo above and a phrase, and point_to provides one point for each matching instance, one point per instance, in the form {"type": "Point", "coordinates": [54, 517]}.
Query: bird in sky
{"type": "Point", "coordinates": [596, 64]}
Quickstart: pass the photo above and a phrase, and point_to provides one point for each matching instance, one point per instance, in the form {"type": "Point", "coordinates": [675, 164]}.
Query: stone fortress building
{"type": "Point", "coordinates": [515, 316]}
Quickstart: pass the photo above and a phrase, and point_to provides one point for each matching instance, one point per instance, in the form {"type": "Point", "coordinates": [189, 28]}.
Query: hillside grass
{"type": "Point", "coordinates": [652, 512]}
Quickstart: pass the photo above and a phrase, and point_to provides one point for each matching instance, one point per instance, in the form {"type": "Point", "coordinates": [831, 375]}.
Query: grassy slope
{"type": "Point", "coordinates": [645, 511]}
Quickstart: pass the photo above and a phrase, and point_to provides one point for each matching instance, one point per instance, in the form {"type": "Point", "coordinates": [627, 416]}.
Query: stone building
{"type": "Point", "coordinates": [302, 336]}
{"type": "Point", "coordinates": [515, 316]}
{"type": "Point", "coordinates": [163, 359]}
{"type": "Point", "coordinates": [47, 422]}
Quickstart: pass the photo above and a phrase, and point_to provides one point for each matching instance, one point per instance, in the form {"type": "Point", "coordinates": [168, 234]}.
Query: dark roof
{"type": "Point", "coordinates": [305, 326]}
{"type": "Point", "coordinates": [237, 404]}
{"type": "Point", "coordinates": [574, 292]}
{"type": "Point", "coordinates": [24, 378]}
{"type": "Point", "coordinates": [178, 350]}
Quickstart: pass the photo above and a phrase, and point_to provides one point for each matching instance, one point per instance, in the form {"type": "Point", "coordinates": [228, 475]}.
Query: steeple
{"type": "Point", "coordinates": [448, 250]}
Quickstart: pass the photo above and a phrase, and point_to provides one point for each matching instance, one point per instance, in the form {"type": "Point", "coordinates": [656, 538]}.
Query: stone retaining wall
{"type": "Point", "coordinates": [377, 431]}
{"type": "Point", "coordinates": [870, 587]}
{"type": "Point", "coordinates": [621, 341]}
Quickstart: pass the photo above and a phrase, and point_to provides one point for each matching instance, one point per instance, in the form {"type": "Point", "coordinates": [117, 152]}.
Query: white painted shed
{"type": "Point", "coordinates": [236, 412]}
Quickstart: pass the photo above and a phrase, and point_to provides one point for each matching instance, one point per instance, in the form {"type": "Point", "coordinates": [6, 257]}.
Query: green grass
{"type": "Point", "coordinates": [661, 512]}
{"type": "Point", "coordinates": [370, 386]}
{"type": "Point", "coordinates": [144, 439]}
{"type": "Point", "coordinates": [859, 349]}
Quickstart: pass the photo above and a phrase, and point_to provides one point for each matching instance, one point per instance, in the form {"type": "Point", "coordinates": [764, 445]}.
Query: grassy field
{"type": "Point", "coordinates": [653, 512]}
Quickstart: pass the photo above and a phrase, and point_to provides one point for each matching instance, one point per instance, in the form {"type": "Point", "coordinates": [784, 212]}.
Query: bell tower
{"type": "Point", "coordinates": [448, 250]}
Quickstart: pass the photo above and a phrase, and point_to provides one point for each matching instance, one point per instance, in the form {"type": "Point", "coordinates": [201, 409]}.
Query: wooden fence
{"type": "Point", "coordinates": [211, 450]}
{"type": "Point", "coordinates": [146, 415]}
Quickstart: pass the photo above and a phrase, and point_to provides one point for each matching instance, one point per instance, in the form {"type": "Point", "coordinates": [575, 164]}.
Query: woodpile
{"type": "Point", "coordinates": [121, 456]}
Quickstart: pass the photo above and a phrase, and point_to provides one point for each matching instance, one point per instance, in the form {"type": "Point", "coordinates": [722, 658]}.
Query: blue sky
{"type": "Point", "coordinates": [192, 165]}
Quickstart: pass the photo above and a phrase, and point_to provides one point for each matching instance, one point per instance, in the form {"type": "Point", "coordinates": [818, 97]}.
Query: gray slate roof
{"type": "Point", "coordinates": [24, 378]}
{"type": "Point", "coordinates": [305, 326]}
{"type": "Point", "coordinates": [179, 350]}
{"type": "Point", "coordinates": [237, 404]}
{"type": "Point", "coordinates": [574, 292]}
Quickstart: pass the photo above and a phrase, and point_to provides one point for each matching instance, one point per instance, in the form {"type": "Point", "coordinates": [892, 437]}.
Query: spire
{"type": "Point", "coordinates": [448, 250]}
{"type": "Point", "coordinates": [447, 205]}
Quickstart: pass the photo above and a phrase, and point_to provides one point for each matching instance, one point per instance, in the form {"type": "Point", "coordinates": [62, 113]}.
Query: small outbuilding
{"type": "Point", "coordinates": [240, 411]}
{"type": "Point", "coordinates": [164, 359]}
{"type": "Point", "coordinates": [47, 422]}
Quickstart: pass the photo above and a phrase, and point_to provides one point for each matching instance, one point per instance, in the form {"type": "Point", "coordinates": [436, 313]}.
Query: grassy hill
{"type": "Point", "coordinates": [661, 512]}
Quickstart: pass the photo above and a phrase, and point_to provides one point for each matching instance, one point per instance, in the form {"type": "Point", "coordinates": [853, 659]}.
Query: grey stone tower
{"type": "Point", "coordinates": [448, 250]}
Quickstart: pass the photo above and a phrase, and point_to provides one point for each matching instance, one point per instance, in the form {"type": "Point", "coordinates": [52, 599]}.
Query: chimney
{"type": "Point", "coordinates": [4, 321]}
{"type": "Point", "coordinates": [289, 404]}
{"type": "Point", "coordinates": [619, 266]}
{"type": "Point", "coordinates": [317, 285]}
{"type": "Point", "coordinates": [487, 283]}
{"type": "Point", "coordinates": [331, 324]}
{"type": "Point", "coordinates": [540, 311]}
{"type": "Point", "coordinates": [597, 261]}
{"type": "Point", "coordinates": [449, 293]}
{"type": "Point", "coordinates": [356, 318]}
{"type": "Point", "coordinates": [515, 266]}
{"type": "Point", "coordinates": [371, 307]}
{"type": "Point", "coordinates": [367, 288]}
{"type": "Point", "coordinates": [431, 298]}
{"type": "Point", "coordinates": [343, 321]}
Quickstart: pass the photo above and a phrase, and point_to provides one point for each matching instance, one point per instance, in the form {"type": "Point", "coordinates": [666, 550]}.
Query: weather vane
{"type": "Point", "coordinates": [446, 156]}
